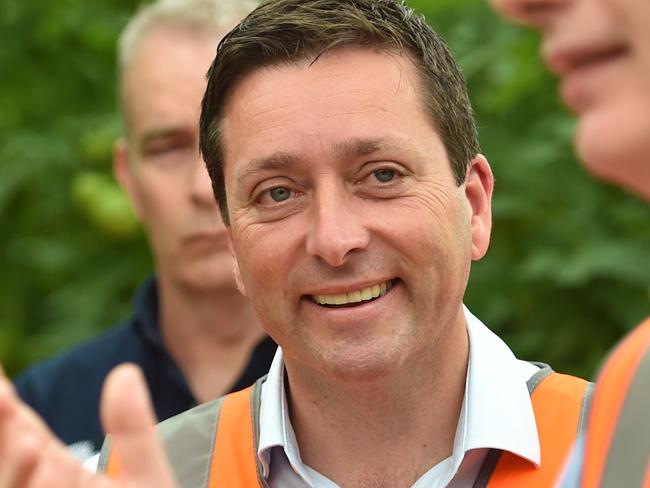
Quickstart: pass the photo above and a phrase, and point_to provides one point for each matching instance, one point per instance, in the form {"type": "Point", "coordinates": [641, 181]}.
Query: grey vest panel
{"type": "Point", "coordinates": [493, 455]}
{"type": "Point", "coordinates": [188, 440]}
{"type": "Point", "coordinates": [628, 457]}
{"type": "Point", "coordinates": [104, 454]}
{"type": "Point", "coordinates": [189, 443]}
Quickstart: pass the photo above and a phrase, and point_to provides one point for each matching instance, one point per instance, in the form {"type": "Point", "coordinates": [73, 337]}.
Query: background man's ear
{"type": "Point", "coordinates": [240, 284]}
{"type": "Point", "coordinates": [122, 171]}
{"type": "Point", "coordinates": [479, 183]}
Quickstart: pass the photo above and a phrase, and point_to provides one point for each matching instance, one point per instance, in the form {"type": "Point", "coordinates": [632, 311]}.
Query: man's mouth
{"type": "Point", "coordinates": [565, 61]}
{"type": "Point", "coordinates": [585, 71]}
{"type": "Point", "coordinates": [356, 297]}
{"type": "Point", "coordinates": [599, 57]}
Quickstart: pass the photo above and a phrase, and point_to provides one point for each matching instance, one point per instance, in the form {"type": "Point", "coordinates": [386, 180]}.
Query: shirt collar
{"type": "Point", "coordinates": [275, 424]}
{"type": "Point", "coordinates": [145, 322]}
{"type": "Point", "coordinates": [145, 313]}
{"type": "Point", "coordinates": [497, 391]}
{"type": "Point", "coordinates": [497, 411]}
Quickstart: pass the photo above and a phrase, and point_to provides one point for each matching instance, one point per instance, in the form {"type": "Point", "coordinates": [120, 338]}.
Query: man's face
{"type": "Point", "coordinates": [351, 237]}
{"type": "Point", "coordinates": [600, 49]}
{"type": "Point", "coordinates": [161, 168]}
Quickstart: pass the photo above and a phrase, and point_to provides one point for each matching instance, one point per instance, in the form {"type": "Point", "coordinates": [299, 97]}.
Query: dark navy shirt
{"type": "Point", "coordinates": [65, 390]}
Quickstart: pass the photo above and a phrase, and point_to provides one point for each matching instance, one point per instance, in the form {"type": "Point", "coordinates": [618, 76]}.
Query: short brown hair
{"type": "Point", "coordinates": [289, 31]}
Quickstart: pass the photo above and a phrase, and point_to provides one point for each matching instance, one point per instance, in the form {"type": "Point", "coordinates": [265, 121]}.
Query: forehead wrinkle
{"type": "Point", "coordinates": [258, 103]}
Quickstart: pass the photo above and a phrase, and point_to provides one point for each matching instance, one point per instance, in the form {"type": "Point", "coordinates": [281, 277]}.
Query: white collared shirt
{"type": "Point", "coordinates": [496, 413]}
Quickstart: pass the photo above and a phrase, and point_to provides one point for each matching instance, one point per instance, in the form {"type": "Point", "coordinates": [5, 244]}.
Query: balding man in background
{"type": "Point", "coordinates": [191, 332]}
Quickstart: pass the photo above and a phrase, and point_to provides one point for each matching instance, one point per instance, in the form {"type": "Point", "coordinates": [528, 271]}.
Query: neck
{"type": "Point", "coordinates": [388, 432]}
{"type": "Point", "coordinates": [209, 333]}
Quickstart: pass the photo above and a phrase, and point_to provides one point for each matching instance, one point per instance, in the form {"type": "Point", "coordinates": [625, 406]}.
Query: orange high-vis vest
{"type": "Point", "coordinates": [215, 445]}
{"type": "Point", "coordinates": [617, 449]}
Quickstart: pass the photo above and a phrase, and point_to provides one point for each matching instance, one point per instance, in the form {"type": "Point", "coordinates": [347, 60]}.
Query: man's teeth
{"type": "Point", "coordinates": [354, 296]}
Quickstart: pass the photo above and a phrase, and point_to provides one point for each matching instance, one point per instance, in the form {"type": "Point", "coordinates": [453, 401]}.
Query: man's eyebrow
{"type": "Point", "coordinates": [359, 147]}
{"type": "Point", "coordinates": [160, 133]}
{"type": "Point", "coordinates": [276, 161]}
{"type": "Point", "coordinates": [282, 160]}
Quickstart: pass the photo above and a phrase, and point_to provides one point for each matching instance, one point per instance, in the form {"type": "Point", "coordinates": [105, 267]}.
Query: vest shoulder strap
{"type": "Point", "coordinates": [234, 459]}
{"type": "Point", "coordinates": [560, 403]}
{"type": "Point", "coordinates": [617, 451]}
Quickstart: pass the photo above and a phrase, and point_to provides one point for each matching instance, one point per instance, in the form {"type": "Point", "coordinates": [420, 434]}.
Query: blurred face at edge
{"type": "Point", "coordinates": [159, 165]}
{"type": "Point", "coordinates": [600, 49]}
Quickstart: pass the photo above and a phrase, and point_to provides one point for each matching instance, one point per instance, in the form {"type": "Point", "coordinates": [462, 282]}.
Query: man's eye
{"type": "Point", "coordinates": [279, 194]}
{"type": "Point", "coordinates": [161, 147]}
{"type": "Point", "coordinates": [384, 175]}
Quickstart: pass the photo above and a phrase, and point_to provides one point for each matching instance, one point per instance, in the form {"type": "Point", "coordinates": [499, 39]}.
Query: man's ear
{"type": "Point", "coordinates": [123, 174]}
{"type": "Point", "coordinates": [479, 183]}
{"type": "Point", "coordinates": [238, 280]}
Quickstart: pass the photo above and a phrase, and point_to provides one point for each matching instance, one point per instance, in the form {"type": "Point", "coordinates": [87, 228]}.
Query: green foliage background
{"type": "Point", "coordinates": [568, 271]}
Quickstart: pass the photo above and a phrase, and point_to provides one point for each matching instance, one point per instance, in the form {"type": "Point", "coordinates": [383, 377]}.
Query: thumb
{"type": "Point", "coordinates": [127, 415]}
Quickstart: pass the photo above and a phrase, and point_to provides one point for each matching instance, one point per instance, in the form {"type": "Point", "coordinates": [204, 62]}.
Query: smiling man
{"type": "Point", "coordinates": [343, 153]}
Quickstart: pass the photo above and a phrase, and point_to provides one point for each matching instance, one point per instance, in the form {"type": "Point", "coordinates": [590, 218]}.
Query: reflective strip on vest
{"type": "Point", "coordinates": [225, 455]}
{"type": "Point", "coordinates": [617, 452]}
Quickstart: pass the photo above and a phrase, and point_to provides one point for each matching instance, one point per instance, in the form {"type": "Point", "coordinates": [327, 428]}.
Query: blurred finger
{"type": "Point", "coordinates": [57, 469]}
{"type": "Point", "coordinates": [25, 440]}
{"type": "Point", "coordinates": [128, 417]}
{"type": "Point", "coordinates": [19, 462]}
{"type": "Point", "coordinates": [21, 440]}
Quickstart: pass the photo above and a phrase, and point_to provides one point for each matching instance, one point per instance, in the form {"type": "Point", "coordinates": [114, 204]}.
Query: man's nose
{"type": "Point", "coordinates": [336, 230]}
{"type": "Point", "coordinates": [200, 184]}
{"type": "Point", "coordinates": [536, 13]}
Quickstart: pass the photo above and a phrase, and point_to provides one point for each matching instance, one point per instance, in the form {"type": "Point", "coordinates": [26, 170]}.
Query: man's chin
{"type": "Point", "coordinates": [615, 153]}
{"type": "Point", "coordinates": [206, 277]}
{"type": "Point", "coordinates": [357, 364]}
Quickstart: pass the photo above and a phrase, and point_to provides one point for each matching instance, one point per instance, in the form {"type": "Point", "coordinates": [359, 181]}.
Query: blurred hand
{"type": "Point", "coordinates": [32, 457]}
